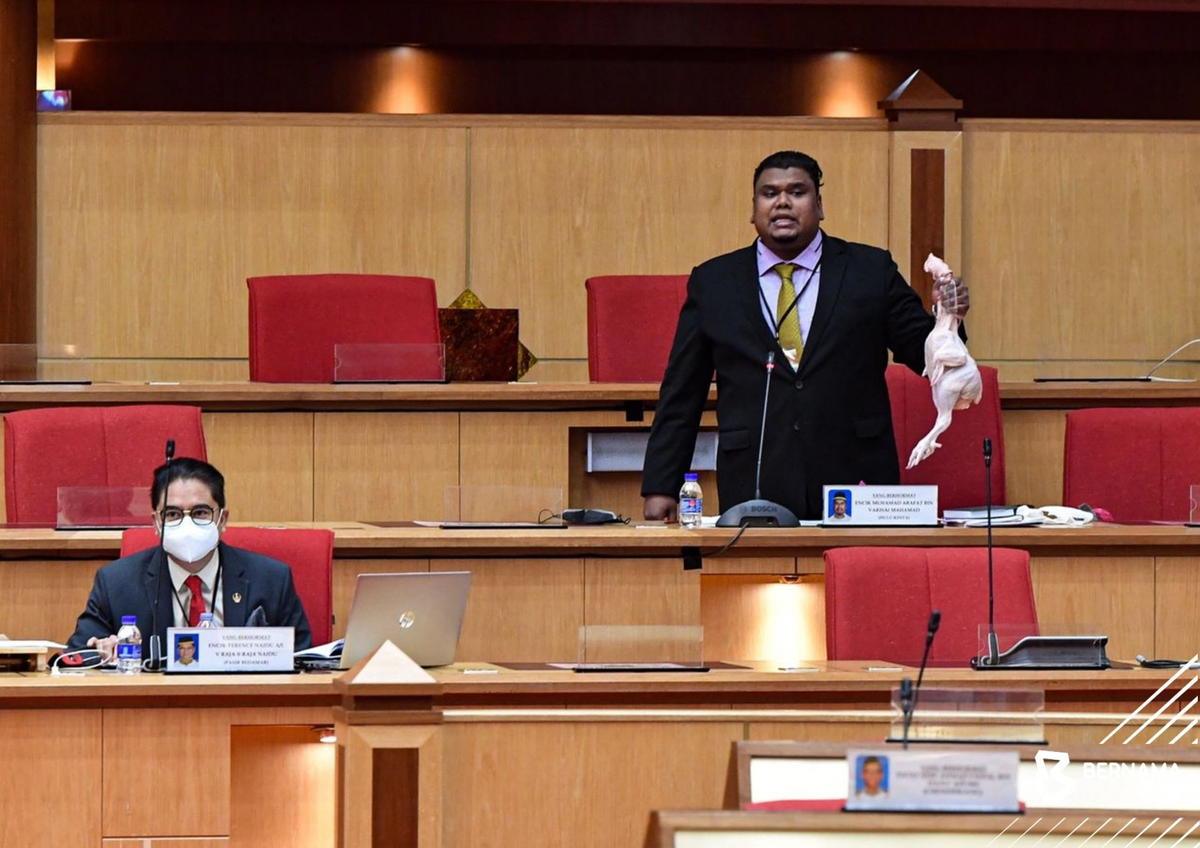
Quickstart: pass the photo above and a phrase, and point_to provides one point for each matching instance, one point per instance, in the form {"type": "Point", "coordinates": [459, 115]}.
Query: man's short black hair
{"type": "Point", "coordinates": [186, 468]}
{"type": "Point", "coordinates": [785, 159]}
{"type": "Point", "coordinates": [185, 638]}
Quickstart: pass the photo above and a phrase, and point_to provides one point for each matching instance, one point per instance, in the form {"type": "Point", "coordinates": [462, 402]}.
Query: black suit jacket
{"type": "Point", "coordinates": [828, 422]}
{"type": "Point", "coordinates": [127, 587]}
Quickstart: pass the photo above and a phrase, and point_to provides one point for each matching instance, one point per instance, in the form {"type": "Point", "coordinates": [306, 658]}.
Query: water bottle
{"type": "Point", "coordinates": [206, 621]}
{"type": "Point", "coordinates": [691, 501]}
{"type": "Point", "coordinates": [129, 646]}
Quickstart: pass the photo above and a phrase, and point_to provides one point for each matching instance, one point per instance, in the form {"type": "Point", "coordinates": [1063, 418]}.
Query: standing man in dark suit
{"type": "Point", "coordinates": [199, 573]}
{"type": "Point", "coordinates": [829, 310]}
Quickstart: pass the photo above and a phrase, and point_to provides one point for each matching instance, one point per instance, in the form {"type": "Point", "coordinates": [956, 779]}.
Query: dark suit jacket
{"type": "Point", "coordinates": [127, 586]}
{"type": "Point", "coordinates": [827, 423]}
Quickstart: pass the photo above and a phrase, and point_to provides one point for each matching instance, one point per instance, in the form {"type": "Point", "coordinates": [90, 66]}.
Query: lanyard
{"type": "Point", "coordinates": [795, 300]}
{"type": "Point", "coordinates": [216, 588]}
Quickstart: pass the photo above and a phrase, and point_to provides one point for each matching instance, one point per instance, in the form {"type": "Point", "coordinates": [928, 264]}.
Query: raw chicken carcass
{"type": "Point", "coordinates": [952, 372]}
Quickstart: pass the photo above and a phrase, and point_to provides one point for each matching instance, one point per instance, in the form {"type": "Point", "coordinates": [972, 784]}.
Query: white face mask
{"type": "Point", "coordinates": [188, 542]}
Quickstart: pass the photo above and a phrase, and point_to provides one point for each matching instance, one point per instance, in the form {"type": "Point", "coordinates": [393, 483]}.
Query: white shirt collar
{"type": "Point", "coordinates": [207, 575]}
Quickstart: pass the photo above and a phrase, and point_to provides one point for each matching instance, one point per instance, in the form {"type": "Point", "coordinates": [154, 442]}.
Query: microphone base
{"type": "Point", "coordinates": [758, 513]}
{"type": "Point", "coordinates": [1049, 653]}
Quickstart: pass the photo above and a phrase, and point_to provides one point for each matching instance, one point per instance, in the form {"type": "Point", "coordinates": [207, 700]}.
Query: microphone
{"type": "Point", "coordinates": [156, 660]}
{"type": "Point", "coordinates": [906, 706]}
{"type": "Point", "coordinates": [993, 641]}
{"type": "Point", "coordinates": [1040, 653]}
{"type": "Point", "coordinates": [758, 512]}
{"type": "Point", "coordinates": [935, 621]}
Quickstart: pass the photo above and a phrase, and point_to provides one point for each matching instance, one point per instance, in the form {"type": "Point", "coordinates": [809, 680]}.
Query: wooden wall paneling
{"type": "Point", "coordinates": [345, 572]}
{"type": "Point", "coordinates": [900, 222]}
{"type": "Point", "coordinates": [296, 811]}
{"type": "Point", "coordinates": [1073, 595]}
{"type": "Point", "coordinates": [621, 491]}
{"type": "Point", "coordinates": [928, 205]}
{"type": "Point", "coordinates": [41, 599]}
{"type": "Point", "coordinates": [50, 754]}
{"type": "Point", "coordinates": [1176, 599]}
{"type": "Point", "coordinates": [384, 465]}
{"type": "Point", "coordinates": [145, 370]}
{"type": "Point", "coordinates": [1082, 238]}
{"type": "Point", "coordinates": [195, 742]}
{"type": "Point", "coordinates": [596, 781]}
{"type": "Point", "coordinates": [18, 173]}
{"type": "Point", "coordinates": [520, 610]}
{"type": "Point", "coordinates": [559, 371]}
{"type": "Point", "coordinates": [551, 207]}
{"type": "Point", "coordinates": [507, 452]}
{"type": "Point", "coordinates": [761, 617]}
{"type": "Point", "coordinates": [169, 218]}
{"type": "Point", "coordinates": [267, 460]}
{"type": "Point", "coordinates": [1033, 455]}
{"type": "Point", "coordinates": [642, 610]}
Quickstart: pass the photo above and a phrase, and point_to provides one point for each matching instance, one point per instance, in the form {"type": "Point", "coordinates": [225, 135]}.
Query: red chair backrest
{"type": "Point", "coordinates": [957, 466]}
{"type": "Point", "coordinates": [631, 325]}
{"type": "Point", "coordinates": [89, 446]}
{"type": "Point", "coordinates": [295, 321]}
{"type": "Point", "coordinates": [309, 553]}
{"type": "Point", "coordinates": [878, 600]}
{"type": "Point", "coordinates": [1136, 463]}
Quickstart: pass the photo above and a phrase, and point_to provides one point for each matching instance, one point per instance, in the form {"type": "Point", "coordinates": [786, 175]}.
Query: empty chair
{"type": "Point", "coordinates": [631, 324]}
{"type": "Point", "coordinates": [878, 601]}
{"type": "Point", "coordinates": [296, 321]}
{"type": "Point", "coordinates": [88, 446]}
{"type": "Point", "coordinates": [957, 466]}
{"type": "Point", "coordinates": [1136, 463]}
{"type": "Point", "coordinates": [309, 553]}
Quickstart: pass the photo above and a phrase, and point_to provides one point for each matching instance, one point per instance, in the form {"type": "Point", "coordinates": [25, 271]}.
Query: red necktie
{"type": "Point", "coordinates": [196, 605]}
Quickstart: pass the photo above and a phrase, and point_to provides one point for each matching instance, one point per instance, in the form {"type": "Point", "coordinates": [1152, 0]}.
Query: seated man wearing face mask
{"type": "Point", "coordinates": [199, 573]}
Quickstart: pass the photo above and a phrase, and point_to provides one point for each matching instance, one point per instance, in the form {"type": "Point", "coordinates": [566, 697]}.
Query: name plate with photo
{"type": "Point", "coordinates": [932, 781]}
{"type": "Point", "coordinates": [192, 650]}
{"type": "Point", "coordinates": [880, 506]}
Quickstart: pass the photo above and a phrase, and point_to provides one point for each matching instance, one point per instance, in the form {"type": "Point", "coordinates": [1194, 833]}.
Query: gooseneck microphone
{"type": "Point", "coordinates": [906, 707]}
{"type": "Point", "coordinates": [155, 662]}
{"type": "Point", "coordinates": [993, 640]}
{"type": "Point", "coordinates": [935, 621]}
{"type": "Point", "coordinates": [759, 512]}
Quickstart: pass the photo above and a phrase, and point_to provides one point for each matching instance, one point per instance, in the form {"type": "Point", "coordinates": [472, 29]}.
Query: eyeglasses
{"type": "Point", "coordinates": [201, 515]}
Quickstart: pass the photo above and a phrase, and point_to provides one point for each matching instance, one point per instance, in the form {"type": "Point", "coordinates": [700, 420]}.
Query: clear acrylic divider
{"type": "Point", "coordinates": [42, 363]}
{"type": "Point", "coordinates": [658, 644]}
{"type": "Point", "coordinates": [538, 505]}
{"type": "Point", "coordinates": [389, 363]}
{"type": "Point", "coordinates": [82, 507]}
{"type": "Point", "coordinates": [973, 715]}
{"type": "Point", "coordinates": [1194, 503]}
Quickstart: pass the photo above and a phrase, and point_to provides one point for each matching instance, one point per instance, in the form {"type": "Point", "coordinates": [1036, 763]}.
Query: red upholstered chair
{"type": "Point", "coordinates": [631, 324]}
{"type": "Point", "coordinates": [878, 600]}
{"type": "Point", "coordinates": [1135, 463]}
{"type": "Point", "coordinates": [296, 320]}
{"type": "Point", "coordinates": [957, 466]}
{"type": "Point", "coordinates": [309, 553]}
{"type": "Point", "coordinates": [88, 446]}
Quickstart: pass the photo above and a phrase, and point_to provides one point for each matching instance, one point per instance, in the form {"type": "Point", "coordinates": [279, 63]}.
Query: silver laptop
{"type": "Point", "coordinates": [420, 612]}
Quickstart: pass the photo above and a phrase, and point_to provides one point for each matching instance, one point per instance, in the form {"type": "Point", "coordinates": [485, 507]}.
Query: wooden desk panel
{"type": "Point", "coordinates": [535, 588]}
{"type": "Point", "coordinates": [511, 434]}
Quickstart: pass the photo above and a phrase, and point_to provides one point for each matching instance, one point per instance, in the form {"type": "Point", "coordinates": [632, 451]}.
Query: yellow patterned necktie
{"type": "Point", "coordinates": [789, 330]}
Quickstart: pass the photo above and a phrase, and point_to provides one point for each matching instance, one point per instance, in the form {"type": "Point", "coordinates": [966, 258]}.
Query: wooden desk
{"type": "Point", "coordinates": [307, 452]}
{"type": "Point", "coordinates": [533, 591]}
{"type": "Point", "coordinates": [524, 759]}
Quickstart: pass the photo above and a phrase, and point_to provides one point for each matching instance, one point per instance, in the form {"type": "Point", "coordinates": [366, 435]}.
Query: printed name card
{"type": "Point", "coordinates": [226, 649]}
{"type": "Point", "coordinates": [933, 781]}
{"type": "Point", "coordinates": [882, 506]}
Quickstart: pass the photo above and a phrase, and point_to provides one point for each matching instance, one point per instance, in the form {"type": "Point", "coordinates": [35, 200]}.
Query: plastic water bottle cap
{"type": "Point", "coordinates": [691, 478]}
{"type": "Point", "coordinates": [129, 619]}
